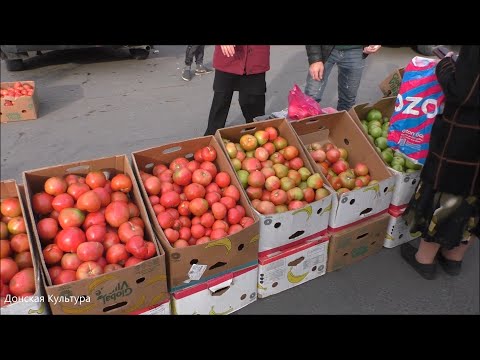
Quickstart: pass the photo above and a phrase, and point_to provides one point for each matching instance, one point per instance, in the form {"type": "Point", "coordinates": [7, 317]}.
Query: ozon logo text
{"type": "Point", "coordinates": [430, 111]}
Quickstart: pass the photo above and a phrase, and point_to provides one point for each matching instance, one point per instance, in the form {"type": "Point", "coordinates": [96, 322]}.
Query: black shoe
{"type": "Point", "coordinates": [427, 271]}
{"type": "Point", "coordinates": [186, 74]}
{"type": "Point", "coordinates": [451, 267]}
{"type": "Point", "coordinates": [202, 69]}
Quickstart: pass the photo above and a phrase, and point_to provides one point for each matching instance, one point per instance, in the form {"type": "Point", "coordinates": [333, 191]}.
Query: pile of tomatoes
{"type": "Point", "coordinates": [17, 90]}
{"type": "Point", "coordinates": [16, 267]}
{"type": "Point", "coordinates": [89, 226]}
{"type": "Point", "coordinates": [193, 201]}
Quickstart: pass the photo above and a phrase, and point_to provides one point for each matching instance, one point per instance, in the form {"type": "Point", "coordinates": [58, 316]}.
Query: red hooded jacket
{"type": "Point", "coordinates": [248, 59]}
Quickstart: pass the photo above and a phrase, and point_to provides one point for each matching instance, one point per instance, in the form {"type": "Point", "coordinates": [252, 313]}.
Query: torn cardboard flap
{"type": "Point", "coordinates": [222, 286]}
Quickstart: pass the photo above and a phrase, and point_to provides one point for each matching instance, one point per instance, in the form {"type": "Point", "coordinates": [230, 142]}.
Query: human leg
{"type": "Point", "coordinates": [350, 69]}
{"type": "Point", "coordinates": [218, 111]}
{"type": "Point", "coordinates": [252, 105]}
{"type": "Point", "coordinates": [314, 88]}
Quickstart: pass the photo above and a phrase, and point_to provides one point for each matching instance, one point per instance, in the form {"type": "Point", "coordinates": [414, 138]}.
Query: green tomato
{"type": "Point", "coordinates": [387, 156]}
{"type": "Point", "coordinates": [374, 114]}
{"type": "Point", "coordinates": [375, 132]}
{"type": "Point", "coordinates": [398, 160]}
{"type": "Point", "coordinates": [385, 126]}
{"type": "Point", "coordinates": [386, 119]}
{"type": "Point", "coordinates": [375, 123]}
{"type": "Point", "coordinates": [397, 167]}
{"type": "Point", "coordinates": [370, 137]}
{"type": "Point", "coordinates": [381, 142]}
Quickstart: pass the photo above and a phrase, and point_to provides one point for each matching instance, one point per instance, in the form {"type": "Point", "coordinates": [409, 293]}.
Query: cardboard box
{"type": "Point", "coordinates": [120, 292]}
{"type": "Point", "coordinates": [194, 264]}
{"type": "Point", "coordinates": [221, 295]}
{"type": "Point", "coordinates": [281, 231]}
{"type": "Point", "coordinates": [391, 84]}
{"type": "Point", "coordinates": [24, 107]}
{"type": "Point", "coordinates": [161, 309]}
{"type": "Point", "coordinates": [405, 183]}
{"type": "Point", "coordinates": [356, 243]}
{"type": "Point", "coordinates": [37, 303]}
{"type": "Point", "coordinates": [398, 231]}
{"type": "Point", "coordinates": [289, 268]}
{"type": "Point", "coordinates": [356, 205]}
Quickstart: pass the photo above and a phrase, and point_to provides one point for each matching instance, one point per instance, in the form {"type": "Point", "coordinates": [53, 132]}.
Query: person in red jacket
{"type": "Point", "coordinates": [239, 68]}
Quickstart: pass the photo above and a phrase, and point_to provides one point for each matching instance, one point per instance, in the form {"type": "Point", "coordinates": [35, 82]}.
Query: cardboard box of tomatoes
{"type": "Point", "coordinates": [18, 101]}
{"type": "Point", "coordinates": [286, 192]}
{"type": "Point", "coordinates": [198, 211]}
{"type": "Point", "coordinates": [97, 248]}
{"type": "Point", "coordinates": [21, 283]}
{"type": "Point", "coordinates": [353, 168]}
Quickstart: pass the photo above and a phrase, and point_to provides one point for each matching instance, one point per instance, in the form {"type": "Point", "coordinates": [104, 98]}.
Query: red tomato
{"type": "Point", "coordinates": [64, 277]}
{"type": "Point", "coordinates": [70, 261]}
{"type": "Point", "coordinates": [52, 254]}
{"type": "Point", "coordinates": [88, 269]}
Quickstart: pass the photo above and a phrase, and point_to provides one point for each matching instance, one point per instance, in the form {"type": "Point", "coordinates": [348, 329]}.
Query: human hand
{"type": "Point", "coordinates": [316, 70]}
{"type": "Point", "coordinates": [228, 50]}
{"type": "Point", "coordinates": [450, 54]}
{"type": "Point", "coordinates": [371, 49]}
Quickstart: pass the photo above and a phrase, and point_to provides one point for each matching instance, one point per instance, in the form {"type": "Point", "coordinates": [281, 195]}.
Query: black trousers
{"type": "Point", "coordinates": [252, 105]}
{"type": "Point", "coordinates": [194, 50]}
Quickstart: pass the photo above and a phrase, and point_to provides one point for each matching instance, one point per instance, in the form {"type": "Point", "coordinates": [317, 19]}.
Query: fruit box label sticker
{"type": "Point", "coordinates": [196, 272]}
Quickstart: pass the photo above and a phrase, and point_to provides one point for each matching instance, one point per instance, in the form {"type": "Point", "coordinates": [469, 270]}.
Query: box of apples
{"type": "Point", "coordinates": [337, 148]}
{"type": "Point", "coordinates": [288, 195]}
{"type": "Point", "coordinates": [21, 288]}
{"type": "Point", "coordinates": [18, 101]}
{"type": "Point", "coordinates": [96, 245]}
{"type": "Point", "coordinates": [198, 211]}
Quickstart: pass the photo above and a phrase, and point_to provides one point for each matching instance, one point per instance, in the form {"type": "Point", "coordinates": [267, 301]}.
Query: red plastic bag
{"type": "Point", "coordinates": [300, 105]}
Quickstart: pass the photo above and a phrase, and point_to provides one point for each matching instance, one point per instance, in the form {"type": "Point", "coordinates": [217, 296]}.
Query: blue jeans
{"type": "Point", "coordinates": [350, 67]}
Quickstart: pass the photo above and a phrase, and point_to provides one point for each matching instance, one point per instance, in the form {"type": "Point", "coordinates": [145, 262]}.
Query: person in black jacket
{"type": "Point", "coordinates": [445, 207]}
{"type": "Point", "coordinates": [350, 60]}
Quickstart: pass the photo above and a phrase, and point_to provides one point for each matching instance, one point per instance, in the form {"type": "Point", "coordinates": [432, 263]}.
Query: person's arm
{"type": "Point", "coordinates": [457, 78]}
{"type": "Point", "coordinates": [228, 50]}
{"type": "Point", "coordinates": [315, 59]}
{"type": "Point", "coordinates": [314, 53]}
{"type": "Point", "coordinates": [371, 49]}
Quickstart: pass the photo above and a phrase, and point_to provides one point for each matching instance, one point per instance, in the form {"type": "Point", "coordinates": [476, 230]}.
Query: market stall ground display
{"type": "Point", "coordinates": [202, 218]}
{"type": "Point", "coordinates": [96, 245]}
{"type": "Point", "coordinates": [288, 196]}
{"type": "Point", "coordinates": [372, 118]}
{"type": "Point", "coordinates": [21, 280]}
{"type": "Point", "coordinates": [339, 131]}
{"type": "Point", "coordinates": [18, 101]}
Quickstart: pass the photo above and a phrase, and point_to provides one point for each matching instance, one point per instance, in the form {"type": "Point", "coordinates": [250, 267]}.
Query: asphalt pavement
{"type": "Point", "coordinates": [100, 102]}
